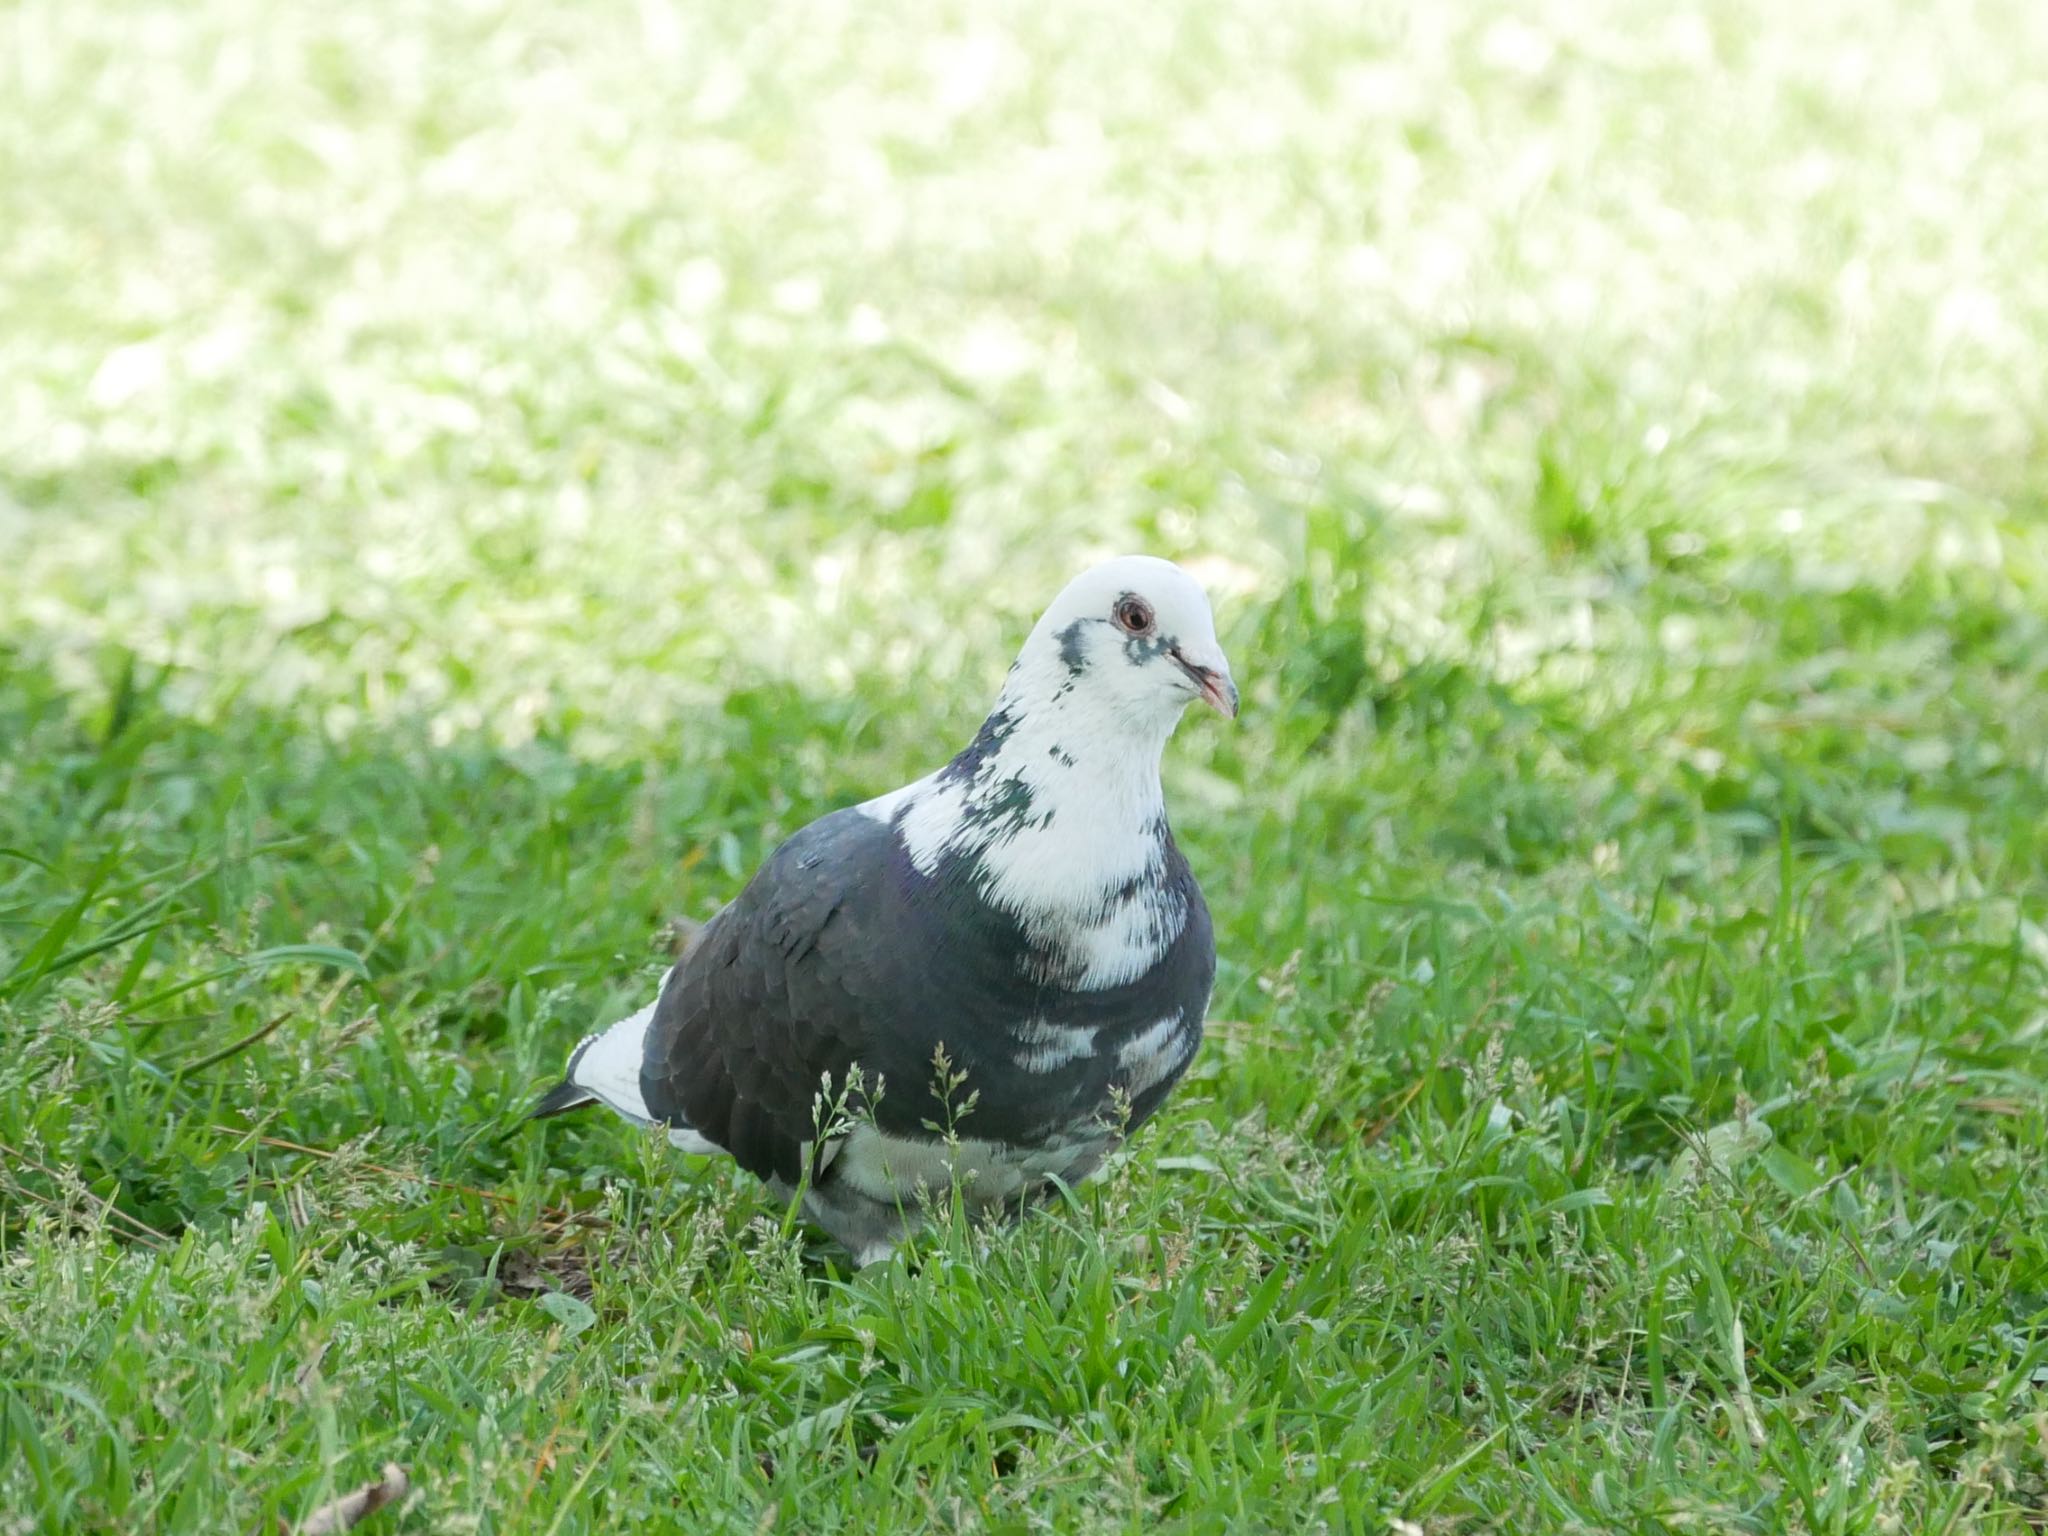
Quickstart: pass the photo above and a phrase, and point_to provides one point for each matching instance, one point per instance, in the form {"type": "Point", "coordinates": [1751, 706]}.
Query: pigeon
{"type": "Point", "coordinates": [979, 983]}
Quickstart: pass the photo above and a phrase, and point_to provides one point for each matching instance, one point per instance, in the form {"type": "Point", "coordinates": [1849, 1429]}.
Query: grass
{"type": "Point", "coordinates": [473, 478]}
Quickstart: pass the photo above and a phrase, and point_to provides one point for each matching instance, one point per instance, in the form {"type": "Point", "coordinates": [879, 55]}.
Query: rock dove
{"type": "Point", "coordinates": [986, 978]}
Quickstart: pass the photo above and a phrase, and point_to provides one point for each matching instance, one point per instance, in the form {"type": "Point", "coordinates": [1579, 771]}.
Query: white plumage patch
{"type": "Point", "coordinates": [1116, 944]}
{"type": "Point", "coordinates": [1049, 1046]}
{"type": "Point", "coordinates": [883, 808]}
{"type": "Point", "coordinates": [1148, 1058]}
{"type": "Point", "coordinates": [607, 1064]}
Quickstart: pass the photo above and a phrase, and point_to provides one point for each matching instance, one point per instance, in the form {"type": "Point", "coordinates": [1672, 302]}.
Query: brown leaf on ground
{"type": "Point", "coordinates": [523, 1272]}
{"type": "Point", "coordinates": [349, 1511]}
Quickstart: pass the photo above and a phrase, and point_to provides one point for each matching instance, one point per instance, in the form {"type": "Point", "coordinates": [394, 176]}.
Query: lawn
{"type": "Point", "coordinates": [474, 476]}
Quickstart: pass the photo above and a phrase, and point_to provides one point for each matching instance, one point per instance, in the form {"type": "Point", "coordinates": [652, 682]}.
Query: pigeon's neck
{"type": "Point", "coordinates": [1050, 806]}
{"type": "Point", "coordinates": [1055, 805]}
{"type": "Point", "coordinates": [1088, 757]}
{"type": "Point", "coordinates": [1053, 813]}
{"type": "Point", "coordinates": [1069, 764]}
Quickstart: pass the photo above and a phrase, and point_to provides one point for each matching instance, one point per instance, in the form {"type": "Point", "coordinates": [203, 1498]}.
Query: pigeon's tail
{"type": "Point", "coordinates": [559, 1100]}
{"type": "Point", "coordinates": [603, 1069]}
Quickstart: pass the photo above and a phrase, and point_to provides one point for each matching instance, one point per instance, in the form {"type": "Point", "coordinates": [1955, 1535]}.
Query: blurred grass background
{"type": "Point", "coordinates": [473, 477]}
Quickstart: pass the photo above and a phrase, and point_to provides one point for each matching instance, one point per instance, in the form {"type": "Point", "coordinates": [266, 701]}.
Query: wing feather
{"type": "Point", "coordinates": [752, 1020]}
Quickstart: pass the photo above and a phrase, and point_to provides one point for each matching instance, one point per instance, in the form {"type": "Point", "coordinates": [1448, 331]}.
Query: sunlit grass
{"type": "Point", "coordinates": [472, 479]}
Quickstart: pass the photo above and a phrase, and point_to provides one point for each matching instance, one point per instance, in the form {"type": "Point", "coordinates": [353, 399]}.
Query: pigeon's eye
{"type": "Point", "coordinates": [1133, 616]}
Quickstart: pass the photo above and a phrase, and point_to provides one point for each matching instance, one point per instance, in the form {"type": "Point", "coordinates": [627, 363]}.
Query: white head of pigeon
{"type": "Point", "coordinates": [1123, 649]}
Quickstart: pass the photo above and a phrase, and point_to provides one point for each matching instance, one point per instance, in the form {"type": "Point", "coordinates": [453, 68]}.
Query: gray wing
{"type": "Point", "coordinates": [774, 994]}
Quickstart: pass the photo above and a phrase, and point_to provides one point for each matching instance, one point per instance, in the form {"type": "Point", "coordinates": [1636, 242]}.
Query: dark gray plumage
{"type": "Point", "coordinates": [841, 953]}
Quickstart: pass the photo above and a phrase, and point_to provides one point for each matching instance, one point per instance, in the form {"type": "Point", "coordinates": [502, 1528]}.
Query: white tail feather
{"type": "Point", "coordinates": [607, 1065]}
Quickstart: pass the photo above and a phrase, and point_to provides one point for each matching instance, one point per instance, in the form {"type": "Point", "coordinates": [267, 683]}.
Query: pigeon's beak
{"type": "Point", "coordinates": [1212, 682]}
{"type": "Point", "coordinates": [1220, 691]}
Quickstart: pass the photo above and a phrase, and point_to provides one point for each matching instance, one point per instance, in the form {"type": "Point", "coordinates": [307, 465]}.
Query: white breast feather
{"type": "Point", "coordinates": [1150, 1057]}
{"type": "Point", "coordinates": [1049, 1046]}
